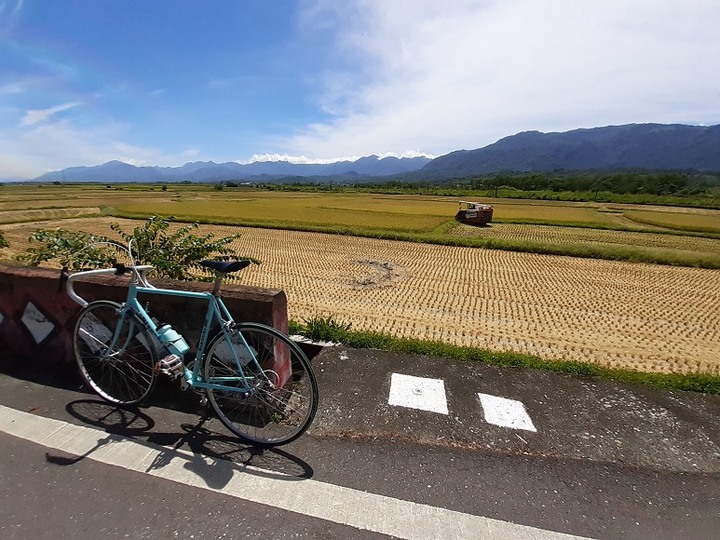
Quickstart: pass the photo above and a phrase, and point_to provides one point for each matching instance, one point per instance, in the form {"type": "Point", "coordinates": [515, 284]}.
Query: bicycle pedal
{"type": "Point", "coordinates": [172, 366]}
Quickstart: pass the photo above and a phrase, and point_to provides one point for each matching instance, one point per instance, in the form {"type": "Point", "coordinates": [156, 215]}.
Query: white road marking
{"type": "Point", "coordinates": [338, 504]}
{"type": "Point", "coordinates": [418, 393]}
{"type": "Point", "coordinates": [506, 412]}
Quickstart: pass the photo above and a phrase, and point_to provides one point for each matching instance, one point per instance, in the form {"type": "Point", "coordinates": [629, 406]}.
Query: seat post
{"type": "Point", "coordinates": [218, 281]}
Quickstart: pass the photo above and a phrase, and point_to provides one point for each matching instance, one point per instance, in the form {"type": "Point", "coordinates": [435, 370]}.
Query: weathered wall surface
{"type": "Point", "coordinates": [37, 316]}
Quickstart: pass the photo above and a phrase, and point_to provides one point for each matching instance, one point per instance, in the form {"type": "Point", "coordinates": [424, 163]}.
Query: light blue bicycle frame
{"type": "Point", "coordinates": [216, 312]}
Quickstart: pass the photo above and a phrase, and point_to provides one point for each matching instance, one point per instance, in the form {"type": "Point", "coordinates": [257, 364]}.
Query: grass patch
{"type": "Point", "coordinates": [322, 328]}
{"type": "Point", "coordinates": [328, 329]}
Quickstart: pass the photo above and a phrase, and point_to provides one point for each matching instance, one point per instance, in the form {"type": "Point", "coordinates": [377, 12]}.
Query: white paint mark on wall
{"type": "Point", "coordinates": [34, 320]}
{"type": "Point", "coordinates": [418, 393]}
{"type": "Point", "coordinates": [506, 412]}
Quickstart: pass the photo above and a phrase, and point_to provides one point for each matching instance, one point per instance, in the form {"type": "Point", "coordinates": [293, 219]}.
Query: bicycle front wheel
{"type": "Point", "coordinates": [115, 354]}
{"type": "Point", "coordinates": [271, 394]}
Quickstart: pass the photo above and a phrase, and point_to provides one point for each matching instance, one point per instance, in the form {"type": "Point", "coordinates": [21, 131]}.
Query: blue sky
{"type": "Point", "coordinates": [164, 82]}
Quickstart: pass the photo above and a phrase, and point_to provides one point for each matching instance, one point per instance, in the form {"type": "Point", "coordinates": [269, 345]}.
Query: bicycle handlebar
{"type": "Point", "coordinates": [139, 272]}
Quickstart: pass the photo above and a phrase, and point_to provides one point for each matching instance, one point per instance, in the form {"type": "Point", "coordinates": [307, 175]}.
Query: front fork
{"type": "Point", "coordinates": [114, 348]}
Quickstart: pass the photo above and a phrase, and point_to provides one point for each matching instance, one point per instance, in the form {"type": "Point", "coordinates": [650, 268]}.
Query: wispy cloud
{"type": "Point", "coordinates": [11, 7]}
{"type": "Point", "coordinates": [36, 116]}
{"type": "Point", "coordinates": [352, 78]}
{"type": "Point", "coordinates": [9, 12]}
{"type": "Point", "coordinates": [28, 152]}
{"type": "Point", "coordinates": [11, 88]}
{"type": "Point", "coordinates": [442, 77]}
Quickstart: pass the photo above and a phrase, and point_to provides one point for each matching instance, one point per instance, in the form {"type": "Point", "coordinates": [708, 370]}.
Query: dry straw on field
{"type": "Point", "coordinates": [578, 235]}
{"type": "Point", "coordinates": [643, 317]}
{"type": "Point", "coordinates": [16, 216]}
{"type": "Point", "coordinates": [708, 222]}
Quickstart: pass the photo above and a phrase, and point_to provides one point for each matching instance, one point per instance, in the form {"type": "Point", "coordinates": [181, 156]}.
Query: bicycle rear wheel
{"type": "Point", "coordinates": [280, 394]}
{"type": "Point", "coordinates": [123, 375]}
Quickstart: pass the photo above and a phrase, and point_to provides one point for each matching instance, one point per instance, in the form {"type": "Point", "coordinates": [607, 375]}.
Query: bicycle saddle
{"type": "Point", "coordinates": [225, 267]}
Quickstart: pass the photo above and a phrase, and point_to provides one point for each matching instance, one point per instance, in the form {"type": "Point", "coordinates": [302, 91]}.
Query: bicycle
{"type": "Point", "coordinates": [258, 381]}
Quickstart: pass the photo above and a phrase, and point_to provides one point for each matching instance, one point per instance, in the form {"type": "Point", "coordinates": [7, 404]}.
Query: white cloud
{"type": "Point", "coordinates": [298, 160]}
{"type": "Point", "coordinates": [36, 116]}
{"type": "Point", "coordinates": [440, 76]}
{"type": "Point", "coordinates": [46, 147]}
{"type": "Point", "coordinates": [304, 160]}
{"type": "Point", "coordinates": [397, 77]}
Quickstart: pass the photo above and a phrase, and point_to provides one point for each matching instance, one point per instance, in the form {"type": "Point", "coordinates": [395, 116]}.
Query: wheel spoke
{"type": "Point", "coordinates": [279, 400]}
{"type": "Point", "coordinates": [123, 374]}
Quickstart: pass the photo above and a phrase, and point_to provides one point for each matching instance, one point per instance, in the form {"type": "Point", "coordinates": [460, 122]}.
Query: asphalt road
{"type": "Point", "coordinates": [591, 458]}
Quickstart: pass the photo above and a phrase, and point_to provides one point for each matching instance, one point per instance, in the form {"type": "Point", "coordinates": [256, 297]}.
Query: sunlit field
{"type": "Point", "coordinates": [678, 220]}
{"type": "Point", "coordinates": [645, 317]}
{"type": "Point", "coordinates": [309, 210]}
{"type": "Point", "coordinates": [387, 212]}
{"type": "Point", "coordinates": [649, 318]}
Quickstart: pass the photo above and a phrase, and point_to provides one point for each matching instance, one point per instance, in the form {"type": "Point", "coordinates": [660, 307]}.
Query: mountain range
{"type": "Point", "coordinates": [208, 171]}
{"type": "Point", "coordinates": [632, 146]}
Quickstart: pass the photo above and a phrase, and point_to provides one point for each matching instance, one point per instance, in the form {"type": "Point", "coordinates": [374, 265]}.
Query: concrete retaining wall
{"type": "Point", "coordinates": [37, 316]}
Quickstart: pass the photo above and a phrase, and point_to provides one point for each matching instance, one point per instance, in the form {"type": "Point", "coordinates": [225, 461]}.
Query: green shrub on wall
{"type": "Point", "coordinates": [174, 255]}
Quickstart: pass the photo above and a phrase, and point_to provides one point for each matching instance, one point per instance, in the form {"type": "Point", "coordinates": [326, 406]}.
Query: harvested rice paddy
{"type": "Point", "coordinates": [649, 318]}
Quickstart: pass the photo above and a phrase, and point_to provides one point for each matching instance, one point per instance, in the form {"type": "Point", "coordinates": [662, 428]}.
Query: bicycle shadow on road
{"type": "Point", "coordinates": [214, 457]}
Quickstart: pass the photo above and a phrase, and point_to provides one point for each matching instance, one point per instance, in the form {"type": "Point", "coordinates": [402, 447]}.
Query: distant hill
{"type": "Point", "coordinates": [208, 171]}
{"type": "Point", "coordinates": [633, 146]}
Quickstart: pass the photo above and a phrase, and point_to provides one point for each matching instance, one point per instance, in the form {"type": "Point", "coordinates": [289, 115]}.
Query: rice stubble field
{"type": "Point", "coordinates": [644, 317]}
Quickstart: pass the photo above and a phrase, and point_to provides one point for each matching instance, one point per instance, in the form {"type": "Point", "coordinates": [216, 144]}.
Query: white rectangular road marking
{"type": "Point", "coordinates": [418, 393]}
{"type": "Point", "coordinates": [506, 412]}
{"type": "Point", "coordinates": [338, 504]}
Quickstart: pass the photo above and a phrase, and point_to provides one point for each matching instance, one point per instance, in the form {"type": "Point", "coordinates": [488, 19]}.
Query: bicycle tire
{"type": "Point", "coordinates": [268, 415]}
{"type": "Point", "coordinates": [126, 375]}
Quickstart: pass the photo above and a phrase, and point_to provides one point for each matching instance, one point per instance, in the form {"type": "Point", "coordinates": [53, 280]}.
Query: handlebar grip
{"type": "Point", "coordinates": [64, 275]}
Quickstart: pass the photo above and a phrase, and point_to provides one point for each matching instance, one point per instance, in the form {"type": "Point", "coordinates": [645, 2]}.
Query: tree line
{"type": "Point", "coordinates": [653, 183]}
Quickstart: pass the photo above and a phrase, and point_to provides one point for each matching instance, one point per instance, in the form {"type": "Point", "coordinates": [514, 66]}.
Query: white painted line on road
{"type": "Point", "coordinates": [418, 393]}
{"type": "Point", "coordinates": [346, 506]}
{"type": "Point", "coordinates": [506, 412]}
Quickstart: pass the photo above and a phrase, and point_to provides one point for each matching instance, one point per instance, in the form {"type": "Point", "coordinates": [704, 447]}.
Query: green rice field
{"type": "Point", "coordinates": [665, 235]}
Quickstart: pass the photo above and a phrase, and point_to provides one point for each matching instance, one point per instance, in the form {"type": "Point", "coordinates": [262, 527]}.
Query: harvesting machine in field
{"type": "Point", "coordinates": [474, 213]}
